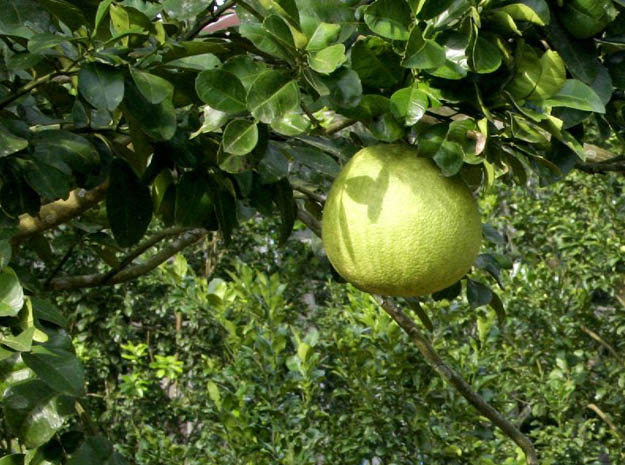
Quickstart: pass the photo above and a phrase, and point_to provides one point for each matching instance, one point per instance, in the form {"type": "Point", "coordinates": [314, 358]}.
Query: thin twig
{"type": "Point", "coordinates": [319, 198]}
{"type": "Point", "coordinates": [601, 341]}
{"type": "Point", "coordinates": [436, 362]}
{"type": "Point", "coordinates": [142, 248]}
{"type": "Point", "coordinates": [453, 378]}
{"type": "Point", "coordinates": [208, 19]}
{"type": "Point", "coordinates": [338, 126]}
{"type": "Point", "coordinates": [93, 280]}
{"type": "Point", "coordinates": [61, 263]}
{"type": "Point", "coordinates": [607, 420]}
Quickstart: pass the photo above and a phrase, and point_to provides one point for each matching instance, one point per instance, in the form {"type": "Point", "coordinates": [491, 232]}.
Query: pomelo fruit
{"type": "Point", "coordinates": [394, 225]}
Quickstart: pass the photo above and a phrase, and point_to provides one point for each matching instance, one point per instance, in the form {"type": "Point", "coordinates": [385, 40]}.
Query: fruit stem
{"type": "Point", "coordinates": [453, 378]}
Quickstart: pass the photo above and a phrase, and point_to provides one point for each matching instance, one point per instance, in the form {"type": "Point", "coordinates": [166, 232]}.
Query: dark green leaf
{"type": "Point", "coordinates": [263, 40]}
{"type": "Point", "coordinates": [5, 253]}
{"type": "Point", "coordinates": [325, 35]}
{"type": "Point", "coordinates": [20, 343]}
{"type": "Point", "coordinates": [18, 198]}
{"type": "Point", "coordinates": [101, 85]}
{"type": "Point", "coordinates": [154, 88]}
{"type": "Point", "coordinates": [287, 206]}
{"type": "Point", "coordinates": [386, 128]}
{"type": "Point", "coordinates": [46, 180]}
{"type": "Point", "coordinates": [497, 305]}
{"type": "Point", "coordinates": [128, 204]}
{"type": "Point", "coordinates": [46, 311]}
{"type": "Point", "coordinates": [478, 294]}
{"type": "Point", "coordinates": [274, 165]}
{"type": "Point", "coordinates": [449, 158]}
{"type": "Point", "coordinates": [328, 59]}
{"type": "Point", "coordinates": [486, 56]}
{"type": "Point", "coordinates": [13, 459]}
{"type": "Point", "coordinates": [490, 264]}
{"type": "Point", "coordinates": [449, 293]}
{"type": "Point", "coordinates": [576, 94]}
{"type": "Point", "coordinates": [315, 159]}
{"type": "Point", "coordinates": [421, 53]}
{"type": "Point", "coordinates": [66, 12]}
{"type": "Point", "coordinates": [432, 8]}
{"type": "Point", "coordinates": [221, 90]}
{"type": "Point", "coordinates": [39, 43]}
{"type": "Point", "coordinates": [533, 11]}
{"type": "Point", "coordinates": [65, 151]}
{"type": "Point", "coordinates": [389, 18]}
{"type": "Point", "coordinates": [10, 143]}
{"type": "Point", "coordinates": [279, 30]}
{"type": "Point", "coordinates": [272, 95]}
{"type": "Point", "coordinates": [96, 450]}
{"type": "Point", "coordinates": [11, 293]}
{"type": "Point", "coordinates": [21, 18]}
{"type": "Point", "coordinates": [376, 63]}
{"type": "Point", "coordinates": [240, 137]}
{"type": "Point", "coordinates": [226, 211]}
{"type": "Point", "coordinates": [34, 412]}
{"type": "Point", "coordinates": [409, 105]}
{"type": "Point", "coordinates": [345, 87]}
{"type": "Point", "coordinates": [245, 68]}
{"type": "Point", "coordinates": [157, 121]}
{"type": "Point", "coordinates": [57, 366]}
{"type": "Point", "coordinates": [194, 205]}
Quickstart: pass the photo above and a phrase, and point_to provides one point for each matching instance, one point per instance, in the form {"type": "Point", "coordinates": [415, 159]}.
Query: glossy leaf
{"type": "Point", "coordinates": [315, 159]}
{"type": "Point", "coordinates": [96, 450]}
{"type": "Point", "coordinates": [154, 88]}
{"type": "Point", "coordinates": [56, 364]}
{"type": "Point", "coordinates": [575, 94]}
{"type": "Point", "coordinates": [10, 143]}
{"type": "Point", "coordinates": [376, 63]}
{"type": "Point", "coordinates": [478, 294]}
{"type": "Point", "coordinates": [328, 59]}
{"type": "Point", "coordinates": [389, 18]}
{"type": "Point", "coordinates": [34, 411]}
{"type": "Point", "coordinates": [422, 53]}
{"type": "Point", "coordinates": [11, 293]}
{"type": "Point", "coordinates": [486, 56]}
{"type": "Point", "coordinates": [409, 105]}
{"type": "Point", "coordinates": [272, 95]}
{"type": "Point", "coordinates": [240, 137]}
{"type": "Point", "coordinates": [101, 85]}
{"type": "Point", "coordinates": [291, 124]}
{"type": "Point", "coordinates": [533, 11]}
{"type": "Point", "coordinates": [128, 204]}
{"type": "Point", "coordinates": [325, 35]}
{"type": "Point", "coordinates": [221, 90]}
{"type": "Point", "coordinates": [194, 205]}
{"type": "Point", "coordinates": [158, 121]}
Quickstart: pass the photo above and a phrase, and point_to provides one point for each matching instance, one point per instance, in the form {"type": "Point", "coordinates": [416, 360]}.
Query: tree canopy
{"type": "Point", "coordinates": [130, 130]}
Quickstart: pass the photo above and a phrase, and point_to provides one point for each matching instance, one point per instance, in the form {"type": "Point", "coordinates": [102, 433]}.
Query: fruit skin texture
{"type": "Point", "coordinates": [393, 225]}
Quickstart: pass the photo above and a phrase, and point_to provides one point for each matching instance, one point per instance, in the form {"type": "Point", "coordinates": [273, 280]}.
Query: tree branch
{"type": "Point", "coordinates": [453, 378]}
{"type": "Point", "coordinates": [601, 341]}
{"type": "Point", "coordinates": [437, 363]}
{"type": "Point", "coordinates": [210, 18]}
{"type": "Point", "coordinates": [59, 212]}
{"type": "Point", "coordinates": [607, 420]}
{"type": "Point", "coordinates": [93, 280]}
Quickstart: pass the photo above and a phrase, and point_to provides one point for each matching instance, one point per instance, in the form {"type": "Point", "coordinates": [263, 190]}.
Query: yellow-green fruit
{"type": "Point", "coordinates": [393, 225]}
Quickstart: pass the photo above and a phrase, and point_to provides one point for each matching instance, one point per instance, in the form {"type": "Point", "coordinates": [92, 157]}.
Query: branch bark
{"type": "Point", "coordinates": [59, 212]}
{"type": "Point", "coordinates": [98, 279]}
{"type": "Point", "coordinates": [607, 420]}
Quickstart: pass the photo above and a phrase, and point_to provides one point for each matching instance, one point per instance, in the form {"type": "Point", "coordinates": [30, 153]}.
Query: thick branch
{"type": "Point", "coordinates": [142, 248]}
{"type": "Point", "coordinates": [453, 378]}
{"type": "Point", "coordinates": [59, 212]}
{"type": "Point", "coordinates": [93, 280]}
{"type": "Point", "coordinates": [436, 362]}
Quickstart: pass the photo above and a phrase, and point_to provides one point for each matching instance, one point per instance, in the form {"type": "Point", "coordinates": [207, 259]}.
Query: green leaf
{"type": "Point", "coordinates": [21, 18]}
{"type": "Point", "coordinates": [10, 143]}
{"type": "Point", "coordinates": [449, 157]}
{"type": "Point", "coordinates": [478, 294]}
{"type": "Point", "coordinates": [432, 8]}
{"type": "Point", "coordinates": [199, 62]}
{"type": "Point", "coordinates": [46, 180]}
{"type": "Point", "coordinates": [96, 450]}
{"type": "Point", "coordinates": [56, 365]}
{"type": "Point", "coordinates": [22, 342]}
{"type": "Point", "coordinates": [240, 137]}
{"type": "Point", "coordinates": [65, 151]}
{"type": "Point", "coordinates": [279, 30]}
{"type": "Point", "coordinates": [101, 85]}
{"type": "Point", "coordinates": [325, 35]}
{"type": "Point", "coordinates": [315, 159]}
{"type": "Point", "coordinates": [155, 89]}
{"type": "Point", "coordinates": [576, 94]}
{"type": "Point", "coordinates": [586, 18]}
{"type": "Point", "coordinates": [533, 11]}
{"type": "Point", "coordinates": [5, 253]}
{"type": "Point", "coordinates": [384, 127]}
{"type": "Point", "coordinates": [552, 76]}
{"type": "Point", "coordinates": [527, 73]}
{"type": "Point", "coordinates": [226, 211]}
{"type": "Point", "coordinates": [389, 18]}
{"type": "Point", "coordinates": [245, 68]}
{"type": "Point", "coordinates": [194, 205]}
{"type": "Point", "coordinates": [213, 120]}
{"type": "Point", "coordinates": [13, 459]}
{"type": "Point", "coordinates": [18, 198]}
{"type": "Point", "coordinates": [221, 90]}
{"type": "Point", "coordinates": [272, 95]}
{"type": "Point", "coordinates": [287, 207]}
{"type": "Point", "coordinates": [345, 87]}
{"type": "Point", "coordinates": [263, 40]}
{"type": "Point", "coordinates": [421, 53]}
{"type": "Point", "coordinates": [157, 121]}
{"type": "Point", "coordinates": [328, 59]}
{"type": "Point", "coordinates": [291, 124]}
{"type": "Point", "coordinates": [34, 412]}
{"type": "Point", "coordinates": [184, 9]}
{"type": "Point", "coordinates": [103, 9]}
{"type": "Point", "coordinates": [41, 42]}
{"type": "Point", "coordinates": [128, 204]}
{"type": "Point", "coordinates": [47, 311]}
{"type": "Point", "coordinates": [409, 105]}
{"type": "Point", "coordinates": [11, 293]}
{"type": "Point", "coordinates": [274, 165]}
{"type": "Point", "coordinates": [66, 12]}
{"type": "Point", "coordinates": [486, 56]}
{"type": "Point", "coordinates": [376, 63]}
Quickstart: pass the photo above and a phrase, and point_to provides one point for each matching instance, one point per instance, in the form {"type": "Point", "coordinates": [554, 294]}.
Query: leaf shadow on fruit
{"type": "Point", "coordinates": [369, 191]}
